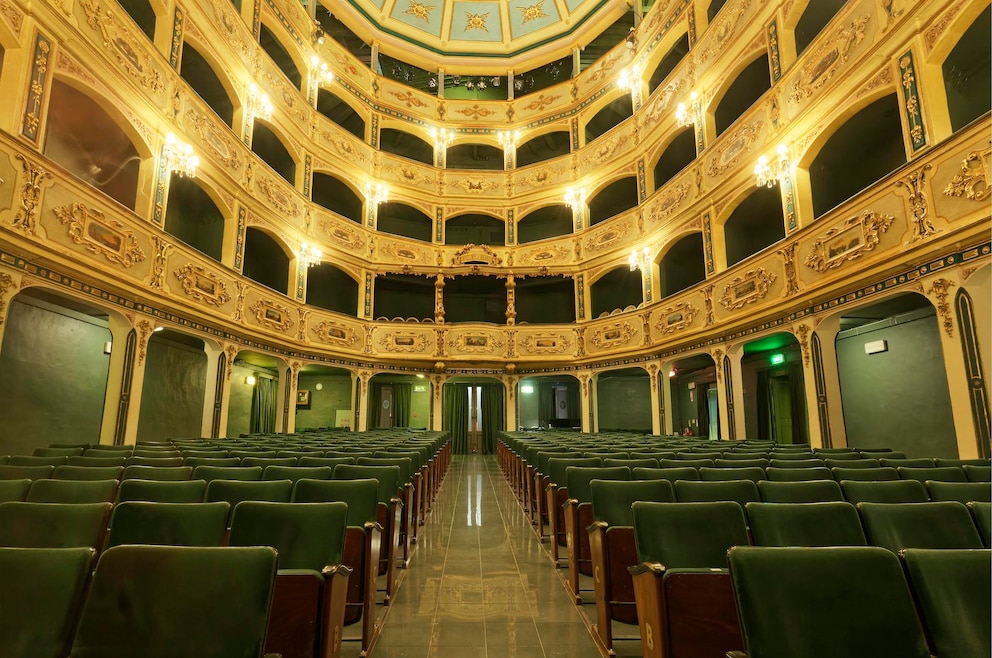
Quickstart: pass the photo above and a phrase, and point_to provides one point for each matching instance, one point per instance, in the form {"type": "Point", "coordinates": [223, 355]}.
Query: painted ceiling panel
{"type": "Point", "coordinates": [476, 21]}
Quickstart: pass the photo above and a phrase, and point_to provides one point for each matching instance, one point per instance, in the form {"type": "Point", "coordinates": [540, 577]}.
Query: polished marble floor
{"type": "Point", "coordinates": [480, 583]}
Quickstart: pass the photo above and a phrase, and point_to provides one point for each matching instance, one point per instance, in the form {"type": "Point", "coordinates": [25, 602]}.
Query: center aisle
{"type": "Point", "coordinates": [480, 583]}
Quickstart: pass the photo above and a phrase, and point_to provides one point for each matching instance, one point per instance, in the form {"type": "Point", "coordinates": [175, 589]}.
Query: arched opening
{"type": "Point", "coordinates": [279, 55]}
{"type": "Point", "coordinates": [679, 154]}
{"type": "Point", "coordinates": [404, 220]}
{"type": "Point", "coordinates": [474, 411]}
{"type": "Point", "coordinates": [192, 217]}
{"type": "Point", "coordinates": [87, 141]}
{"type": "Point", "coordinates": [968, 73]}
{"type": "Point", "coordinates": [973, 306]}
{"type": "Point", "coordinates": [893, 382]}
{"type": "Point", "coordinates": [546, 222]}
{"type": "Point", "coordinates": [475, 298]}
{"type": "Point", "coordinates": [267, 145]}
{"type": "Point", "coordinates": [713, 9]}
{"type": "Point", "coordinates": [695, 401]}
{"type": "Point", "coordinates": [265, 261]}
{"type": "Point", "coordinates": [332, 288]}
{"type": "Point", "coordinates": [475, 228]}
{"type": "Point", "coordinates": [53, 370]}
{"type": "Point", "coordinates": [399, 401]}
{"type": "Point", "coordinates": [668, 63]}
{"type": "Point", "coordinates": [683, 265]}
{"type": "Point", "coordinates": [545, 300]}
{"type": "Point", "coordinates": [756, 223]}
{"type": "Point", "coordinates": [474, 156]}
{"type": "Point", "coordinates": [202, 79]}
{"type": "Point", "coordinates": [746, 88]}
{"type": "Point", "coordinates": [623, 400]}
{"type": "Point", "coordinates": [142, 14]}
{"type": "Point", "coordinates": [618, 289]}
{"type": "Point", "coordinates": [406, 145]}
{"type": "Point", "coordinates": [815, 17]}
{"type": "Point", "coordinates": [324, 398]}
{"type": "Point", "coordinates": [337, 196]}
{"type": "Point", "coordinates": [544, 147]}
{"type": "Point", "coordinates": [549, 401]}
{"type": "Point", "coordinates": [174, 387]}
{"type": "Point", "coordinates": [774, 390]}
{"type": "Point", "coordinates": [866, 148]}
{"type": "Point", "coordinates": [339, 112]}
{"type": "Point", "coordinates": [254, 395]}
{"type": "Point", "coordinates": [403, 297]}
{"type": "Point", "coordinates": [611, 114]}
{"type": "Point", "coordinates": [615, 198]}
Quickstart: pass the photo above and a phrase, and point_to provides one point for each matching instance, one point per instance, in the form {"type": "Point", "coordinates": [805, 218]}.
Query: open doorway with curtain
{"type": "Point", "coordinates": [263, 405]}
{"type": "Point", "coordinates": [389, 404]}
{"type": "Point", "coordinates": [474, 413]}
{"type": "Point", "coordinates": [548, 401]}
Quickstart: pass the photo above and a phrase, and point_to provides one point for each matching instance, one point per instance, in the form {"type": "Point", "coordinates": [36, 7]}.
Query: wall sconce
{"type": "Point", "coordinates": [250, 380]}
{"type": "Point", "coordinates": [178, 157]}
{"type": "Point", "coordinates": [309, 255]}
{"type": "Point", "coordinates": [507, 138]}
{"type": "Point", "coordinates": [320, 72]}
{"type": "Point", "coordinates": [673, 372]}
{"type": "Point", "coordinates": [767, 174]}
{"type": "Point", "coordinates": [318, 34]}
{"type": "Point", "coordinates": [259, 106]}
{"type": "Point", "coordinates": [629, 78]}
{"type": "Point", "coordinates": [376, 193]}
{"type": "Point", "coordinates": [442, 137]}
{"type": "Point", "coordinates": [686, 116]}
{"type": "Point", "coordinates": [640, 260]}
{"type": "Point", "coordinates": [575, 198]}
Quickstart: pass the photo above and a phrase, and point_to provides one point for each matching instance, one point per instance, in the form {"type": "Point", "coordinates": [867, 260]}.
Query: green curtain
{"type": "Point", "coordinates": [574, 398]}
{"type": "Point", "coordinates": [545, 403]}
{"type": "Point", "coordinates": [401, 404]}
{"type": "Point", "coordinates": [455, 418]}
{"type": "Point", "coordinates": [375, 405]}
{"type": "Point", "coordinates": [493, 415]}
{"type": "Point", "coordinates": [263, 405]}
{"type": "Point", "coordinates": [797, 393]}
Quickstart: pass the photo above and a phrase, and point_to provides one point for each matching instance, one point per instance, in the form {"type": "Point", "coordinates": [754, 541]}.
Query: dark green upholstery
{"type": "Point", "coordinates": [680, 462]}
{"type": "Point", "coordinates": [896, 526]}
{"type": "Point", "coordinates": [557, 467]}
{"type": "Point", "coordinates": [14, 490]}
{"type": "Point", "coordinates": [688, 535]}
{"type": "Point", "coordinates": [940, 461]}
{"type": "Point", "coordinates": [58, 452]}
{"type": "Point", "coordinates": [72, 491]}
{"type": "Point", "coordinates": [87, 472]}
{"type": "Point", "coordinates": [578, 479]}
{"type": "Point", "coordinates": [233, 492]}
{"type": "Point", "coordinates": [162, 473]}
{"type": "Point", "coordinates": [153, 461]}
{"type": "Point", "coordinates": [53, 525]}
{"type": "Point", "coordinates": [824, 603]}
{"type": "Point", "coordinates": [805, 524]}
{"type": "Point", "coordinates": [265, 462]}
{"type": "Point", "coordinates": [95, 461]}
{"type": "Point", "coordinates": [797, 474]}
{"type": "Point", "coordinates": [977, 473]}
{"type": "Point", "coordinates": [737, 461]}
{"type": "Point", "coordinates": [171, 524]}
{"type": "Point", "coordinates": [40, 599]}
{"type": "Point", "coordinates": [294, 473]}
{"type": "Point", "coordinates": [388, 477]}
{"type": "Point", "coordinates": [780, 462]}
{"type": "Point", "coordinates": [963, 492]}
{"type": "Point", "coordinates": [809, 491]}
{"type": "Point", "coordinates": [753, 473]}
{"type": "Point", "coordinates": [631, 463]}
{"type": "Point", "coordinates": [921, 462]}
{"type": "Point", "coordinates": [670, 474]}
{"type": "Point", "coordinates": [612, 499]}
{"type": "Point", "coordinates": [299, 453]}
{"type": "Point", "coordinates": [306, 535]}
{"type": "Point", "coordinates": [982, 515]}
{"type": "Point", "coordinates": [851, 463]}
{"type": "Point", "coordinates": [900, 491]}
{"type": "Point", "coordinates": [251, 453]}
{"type": "Point", "coordinates": [173, 601]}
{"type": "Point", "coordinates": [8, 472]}
{"type": "Point", "coordinates": [210, 473]}
{"type": "Point", "coordinates": [330, 462]}
{"type": "Point", "coordinates": [211, 461]}
{"type": "Point", "coordinates": [865, 474]}
{"type": "Point", "coordinates": [360, 495]}
{"type": "Point", "coordinates": [213, 453]}
{"type": "Point", "coordinates": [837, 453]}
{"type": "Point", "coordinates": [942, 474]}
{"type": "Point", "coordinates": [952, 593]}
{"type": "Point", "coordinates": [738, 491]}
{"type": "Point", "coordinates": [405, 465]}
{"type": "Point", "coordinates": [162, 491]}
{"type": "Point", "coordinates": [31, 460]}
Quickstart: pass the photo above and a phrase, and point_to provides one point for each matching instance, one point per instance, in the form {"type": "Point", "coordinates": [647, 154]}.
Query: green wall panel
{"type": "Point", "coordinates": [172, 396]}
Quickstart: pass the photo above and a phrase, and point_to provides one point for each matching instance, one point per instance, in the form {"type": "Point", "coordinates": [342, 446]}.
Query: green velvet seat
{"type": "Point", "coordinates": [808, 491]}
{"type": "Point", "coordinates": [265, 462]}
{"type": "Point", "coordinates": [311, 585]}
{"type": "Point", "coordinates": [981, 513]}
{"type": "Point", "coordinates": [851, 463]}
{"type": "Point", "coordinates": [153, 461]}
{"type": "Point", "coordinates": [410, 481]}
{"type": "Point", "coordinates": [865, 474]}
{"type": "Point", "coordinates": [631, 463]}
{"type": "Point", "coordinates": [836, 453]}
{"type": "Point", "coordinates": [738, 461]}
{"type": "Point", "coordinates": [40, 600]}
{"type": "Point", "coordinates": [72, 491]}
{"type": "Point", "coordinates": [53, 525]}
{"type": "Point", "coordinates": [797, 474]}
{"type": "Point", "coordinates": [952, 593]}
{"type": "Point", "coordinates": [688, 461]}
{"type": "Point", "coordinates": [233, 492]}
{"type": "Point", "coordinates": [214, 453]}
{"type": "Point", "coordinates": [805, 524]}
{"type": "Point", "coordinates": [896, 526]}
{"type": "Point", "coordinates": [941, 474]}
{"type": "Point", "coordinates": [108, 451]}
{"type": "Point", "coordinates": [670, 474]}
{"type": "Point", "coordinates": [556, 494]}
{"type": "Point", "coordinates": [242, 454]}
{"type": "Point", "coordinates": [69, 472]}
{"type": "Point", "coordinates": [8, 472]}
{"type": "Point", "coordinates": [943, 461]}
{"type": "Point", "coordinates": [168, 524]}
{"type": "Point", "coordinates": [330, 462]}
{"type": "Point", "coordinates": [95, 461]}
{"type": "Point", "coordinates": [32, 460]}
{"type": "Point", "coordinates": [976, 473]}
{"type": "Point", "coordinates": [58, 452]}
{"type": "Point", "coordinates": [612, 500]}
{"type": "Point", "coordinates": [172, 601]}
{"type": "Point", "coordinates": [14, 490]}
{"type": "Point", "coordinates": [902, 462]}
{"type": "Point", "coordinates": [753, 473]}
{"type": "Point", "coordinates": [157, 473]}
{"type": "Point", "coordinates": [780, 462]}
{"type": "Point", "coordinates": [850, 601]}
{"type": "Point", "coordinates": [963, 492]}
{"type": "Point", "coordinates": [211, 461]}
{"type": "Point", "coordinates": [738, 491]}
{"type": "Point", "coordinates": [210, 473]}
{"type": "Point", "coordinates": [899, 491]}
{"type": "Point", "coordinates": [162, 491]}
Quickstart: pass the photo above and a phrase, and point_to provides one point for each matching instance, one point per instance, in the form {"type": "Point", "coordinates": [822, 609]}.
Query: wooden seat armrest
{"type": "Point", "coordinates": [600, 526]}
{"type": "Point", "coordinates": [334, 569]}
{"type": "Point", "coordinates": [372, 525]}
{"type": "Point", "coordinates": [396, 500]}
{"type": "Point", "coordinates": [571, 502]}
{"type": "Point", "coordinates": [656, 568]}
{"type": "Point", "coordinates": [736, 654]}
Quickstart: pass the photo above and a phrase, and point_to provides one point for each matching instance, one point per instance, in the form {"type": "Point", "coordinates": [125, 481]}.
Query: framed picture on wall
{"type": "Point", "coordinates": [303, 398]}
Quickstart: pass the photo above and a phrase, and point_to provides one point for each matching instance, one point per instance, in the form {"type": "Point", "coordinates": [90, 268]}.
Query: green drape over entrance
{"type": "Point", "coordinates": [455, 418]}
{"type": "Point", "coordinates": [263, 405]}
{"type": "Point", "coordinates": [492, 415]}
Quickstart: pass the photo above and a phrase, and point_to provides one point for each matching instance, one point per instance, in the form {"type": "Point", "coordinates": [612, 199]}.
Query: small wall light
{"type": "Point", "coordinates": [319, 386]}
{"type": "Point", "coordinates": [526, 388]}
{"type": "Point", "coordinates": [250, 380]}
{"type": "Point", "coordinates": [107, 347]}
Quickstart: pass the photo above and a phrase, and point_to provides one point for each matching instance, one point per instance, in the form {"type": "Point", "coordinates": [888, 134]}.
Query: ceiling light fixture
{"type": "Point", "coordinates": [178, 157]}
{"type": "Point", "coordinates": [688, 115]}
{"type": "Point", "coordinates": [259, 106]}
{"type": "Point", "coordinates": [322, 74]}
{"type": "Point", "coordinates": [640, 260]}
{"type": "Point", "coordinates": [575, 198]}
{"type": "Point", "coordinates": [767, 174]}
{"type": "Point", "coordinates": [309, 255]}
{"type": "Point", "coordinates": [376, 193]}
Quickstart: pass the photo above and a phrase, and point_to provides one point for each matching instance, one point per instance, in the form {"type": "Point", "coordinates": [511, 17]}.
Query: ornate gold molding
{"type": "Point", "coordinates": [99, 235]}
{"type": "Point", "coordinates": [788, 254]}
{"type": "Point", "coordinates": [849, 241]}
{"type": "Point", "coordinates": [202, 285]}
{"type": "Point", "coordinates": [973, 181]}
{"type": "Point", "coordinates": [472, 254]}
{"type": "Point", "coordinates": [824, 62]}
{"type": "Point", "coordinates": [403, 342]}
{"type": "Point", "coordinates": [277, 196]}
{"type": "Point", "coordinates": [335, 333]}
{"type": "Point", "coordinates": [6, 283]}
{"type": "Point", "coordinates": [733, 148]}
{"type": "Point", "coordinates": [476, 342]}
{"type": "Point", "coordinates": [34, 176]}
{"type": "Point", "coordinates": [915, 183]}
{"type": "Point", "coordinates": [144, 328]}
{"type": "Point", "coordinates": [746, 289]}
{"type": "Point", "coordinates": [613, 335]}
{"type": "Point", "coordinates": [676, 318]}
{"type": "Point", "coordinates": [127, 50]}
{"type": "Point", "coordinates": [272, 315]}
{"type": "Point", "coordinates": [547, 343]}
{"type": "Point", "coordinates": [940, 289]}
